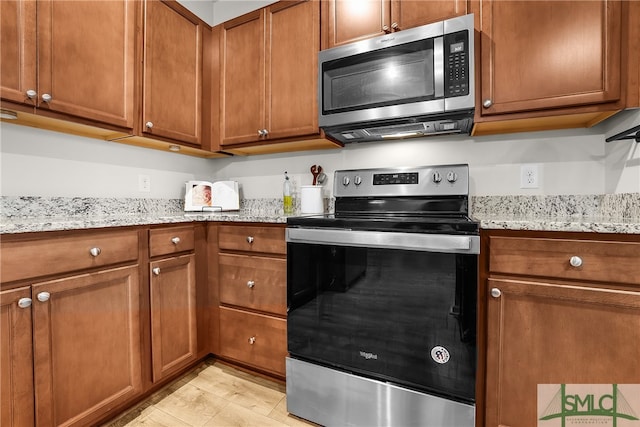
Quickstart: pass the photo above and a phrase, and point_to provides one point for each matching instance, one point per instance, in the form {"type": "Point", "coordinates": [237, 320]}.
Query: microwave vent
{"type": "Point", "coordinates": [395, 129]}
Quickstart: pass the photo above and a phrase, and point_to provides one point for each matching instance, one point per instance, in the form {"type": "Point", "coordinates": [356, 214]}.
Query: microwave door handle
{"type": "Point", "coordinates": [438, 66]}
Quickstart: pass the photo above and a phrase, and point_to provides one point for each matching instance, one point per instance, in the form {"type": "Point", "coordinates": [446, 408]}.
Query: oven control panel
{"type": "Point", "coordinates": [417, 181]}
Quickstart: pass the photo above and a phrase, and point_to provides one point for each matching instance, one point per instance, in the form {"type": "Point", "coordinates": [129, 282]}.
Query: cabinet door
{"type": "Point", "coordinates": [545, 333]}
{"type": "Point", "coordinates": [411, 13]}
{"type": "Point", "coordinates": [86, 58]}
{"type": "Point", "coordinates": [18, 50]}
{"type": "Point", "coordinates": [172, 74]}
{"type": "Point", "coordinates": [242, 100]}
{"type": "Point", "coordinates": [293, 30]}
{"type": "Point", "coordinates": [255, 339]}
{"type": "Point", "coordinates": [173, 314]}
{"type": "Point", "coordinates": [548, 54]}
{"type": "Point", "coordinates": [16, 359]}
{"type": "Point", "coordinates": [348, 21]}
{"type": "Point", "coordinates": [86, 345]}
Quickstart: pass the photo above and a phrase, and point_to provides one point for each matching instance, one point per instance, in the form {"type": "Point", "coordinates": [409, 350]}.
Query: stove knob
{"type": "Point", "coordinates": [452, 177]}
{"type": "Point", "coordinates": [437, 177]}
{"type": "Point", "coordinates": [357, 180]}
{"type": "Point", "coordinates": [345, 181]}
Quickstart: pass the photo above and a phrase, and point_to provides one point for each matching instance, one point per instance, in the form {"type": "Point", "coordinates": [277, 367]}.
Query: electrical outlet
{"type": "Point", "coordinates": [144, 183]}
{"type": "Point", "coordinates": [529, 176]}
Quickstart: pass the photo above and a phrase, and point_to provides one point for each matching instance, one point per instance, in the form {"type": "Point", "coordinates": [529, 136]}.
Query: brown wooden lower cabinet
{"type": "Point", "coordinates": [255, 339]}
{"type": "Point", "coordinates": [251, 283]}
{"type": "Point", "coordinates": [86, 337]}
{"type": "Point", "coordinates": [16, 359]}
{"type": "Point", "coordinates": [561, 322]}
{"type": "Point", "coordinates": [173, 314]}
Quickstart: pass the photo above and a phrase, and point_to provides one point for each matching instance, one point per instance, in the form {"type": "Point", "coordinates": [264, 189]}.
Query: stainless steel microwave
{"type": "Point", "coordinates": [410, 83]}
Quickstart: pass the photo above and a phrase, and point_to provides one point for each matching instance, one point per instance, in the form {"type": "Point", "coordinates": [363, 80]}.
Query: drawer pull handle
{"type": "Point", "coordinates": [95, 251]}
{"type": "Point", "coordinates": [251, 283]}
{"type": "Point", "coordinates": [250, 239]}
{"type": "Point", "coordinates": [175, 240]}
{"type": "Point", "coordinates": [575, 261]}
{"type": "Point", "coordinates": [156, 271]}
{"type": "Point", "coordinates": [252, 340]}
{"type": "Point", "coordinates": [24, 302]}
{"type": "Point", "coordinates": [495, 292]}
{"type": "Point", "coordinates": [44, 296]}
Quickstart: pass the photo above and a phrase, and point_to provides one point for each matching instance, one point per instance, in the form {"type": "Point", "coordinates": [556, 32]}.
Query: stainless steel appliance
{"type": "Point", "coordinates": [415, 82]}
{"type": "Point", "coordinates": [382, 296]}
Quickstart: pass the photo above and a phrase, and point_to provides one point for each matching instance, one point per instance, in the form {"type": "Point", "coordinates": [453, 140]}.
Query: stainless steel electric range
{"type": "Point", "coordinates": [382, 299]}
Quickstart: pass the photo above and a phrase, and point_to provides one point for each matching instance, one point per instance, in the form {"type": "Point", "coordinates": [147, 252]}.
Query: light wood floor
{"type": "Point", "coordinates": [214, 394]}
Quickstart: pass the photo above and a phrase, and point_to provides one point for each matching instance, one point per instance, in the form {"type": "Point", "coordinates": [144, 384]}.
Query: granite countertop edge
{"type": "Point", "coordinates": [504, 222]}
{"type": "Point", "coordinates": [27, 225]}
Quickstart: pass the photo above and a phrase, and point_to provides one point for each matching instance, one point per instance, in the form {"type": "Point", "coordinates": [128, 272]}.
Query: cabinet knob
{"type": "Point", "coordinates": [386, 29]}
{"type": "Point", "coordinates": [251, 283]}
{"type": "Point", "coordinates": [265, 132]}
{"type": "Point", "coordinates": [149, 125]}
{"type": "Point", "coordinates": [156, 271]}
{"type": "Point", "coordinates": [175, 240]}
{"type": "Point", "coordinates": [43, 296]}
{"type": "Point", "coordinates": [487, 103]}
{"type": "Point", "coordinates": [395, 26]}
{"type": "Point", "coordinates": [46, 98]}
{"type": "Point", "coordinates": [31, 94]}
{"type": "Point", "coordinates": [95, 251]}
{"type": "Point", "coordinates": [260, 132]}
{"type": "Point", "coordinates": [495, 292]}
{"type": "Point", "coordinates": [252, 340]}
{"type": "Point", "coordinates": [575, 261]}
{"type": "Point", "coordinates": [250, 239]}
{"type": "Point", "coordinates": [24, 302]}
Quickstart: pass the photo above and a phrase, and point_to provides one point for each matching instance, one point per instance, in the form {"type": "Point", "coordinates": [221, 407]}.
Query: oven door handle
{"type": "Point", "coordinates": [387, 240]}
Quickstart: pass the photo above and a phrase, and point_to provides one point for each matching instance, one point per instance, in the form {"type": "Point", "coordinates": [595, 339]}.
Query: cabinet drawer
{"type": "Point", "coordinates": [254, 282]}
{"type": "Point", "coordinates": [35, 258]}
{"type": "Point", "coordinates": [170, 240]}
{"type": "Point", "coordinates": [615, 262]}
{"type": "Point", "coordinates": [252, 239]}
{"type": "Point", "coordinates": [255, 339]}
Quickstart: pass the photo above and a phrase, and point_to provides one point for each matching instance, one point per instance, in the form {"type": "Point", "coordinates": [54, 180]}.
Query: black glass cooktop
{"type": "Point", "coordinates": [399, 214]}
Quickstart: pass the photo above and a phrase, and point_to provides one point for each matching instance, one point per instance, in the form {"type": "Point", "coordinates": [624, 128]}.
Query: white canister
{"type": "Point", "coordinates": [311, 199]}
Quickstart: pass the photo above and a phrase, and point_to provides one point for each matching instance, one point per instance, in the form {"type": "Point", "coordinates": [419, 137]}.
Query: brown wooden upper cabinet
{"type": "Point", "coordinates": [540, 55]}
{"type": "Point", "coordinates": [172, 73]}
{"type": "Point", "coordinates": [70, 57]}
{"type": "Point", "coordinates": [347, 21]}
{"type": "Point", "coordinates": [268, 74]}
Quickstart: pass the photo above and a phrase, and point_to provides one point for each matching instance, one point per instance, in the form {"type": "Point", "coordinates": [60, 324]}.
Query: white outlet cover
{"type": "Point", "coordinates": [530, 175]}
{"type": "Point", "coordinates": [144, 183]}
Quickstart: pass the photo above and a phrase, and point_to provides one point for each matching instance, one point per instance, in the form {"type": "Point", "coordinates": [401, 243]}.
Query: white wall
{"type": "Point", "coordinates": [35, 162]}
{"type": "Point", "coordinates": [218, 11]}
{"type": "Point", "coordinates": [570, 162]}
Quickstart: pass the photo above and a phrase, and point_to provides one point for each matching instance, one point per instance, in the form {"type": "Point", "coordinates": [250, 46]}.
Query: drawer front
{"type": "Point", "coordinates": [252, 239]}
{"type": "Point", "coordinates": [254, 282]}
{"type": "Point", "coordinates": [35, 258]}
{"type": "Point", "coordinates": [591, 260]}
{"type": "Point", "coordinates": [255, 339]}
{"type": "Point", "coordinates": [171, 240]}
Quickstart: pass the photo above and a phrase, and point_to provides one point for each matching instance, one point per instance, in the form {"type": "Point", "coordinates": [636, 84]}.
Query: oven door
{"type": "Point", "coordinates": [397, 307]}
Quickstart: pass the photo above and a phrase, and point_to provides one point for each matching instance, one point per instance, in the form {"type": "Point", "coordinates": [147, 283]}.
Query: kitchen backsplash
{"type": "Point", "coordinates": [597, 206]}
{"type": "Point", "coordinates": [625, 205]}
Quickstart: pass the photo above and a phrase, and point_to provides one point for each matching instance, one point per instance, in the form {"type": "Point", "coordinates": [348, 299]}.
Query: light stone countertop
{"type": "Point", "coordinates": [619, 213]}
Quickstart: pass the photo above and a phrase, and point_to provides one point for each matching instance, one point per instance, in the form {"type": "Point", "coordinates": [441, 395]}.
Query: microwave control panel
{"type": "Point", "coordinates": [456, 50]}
